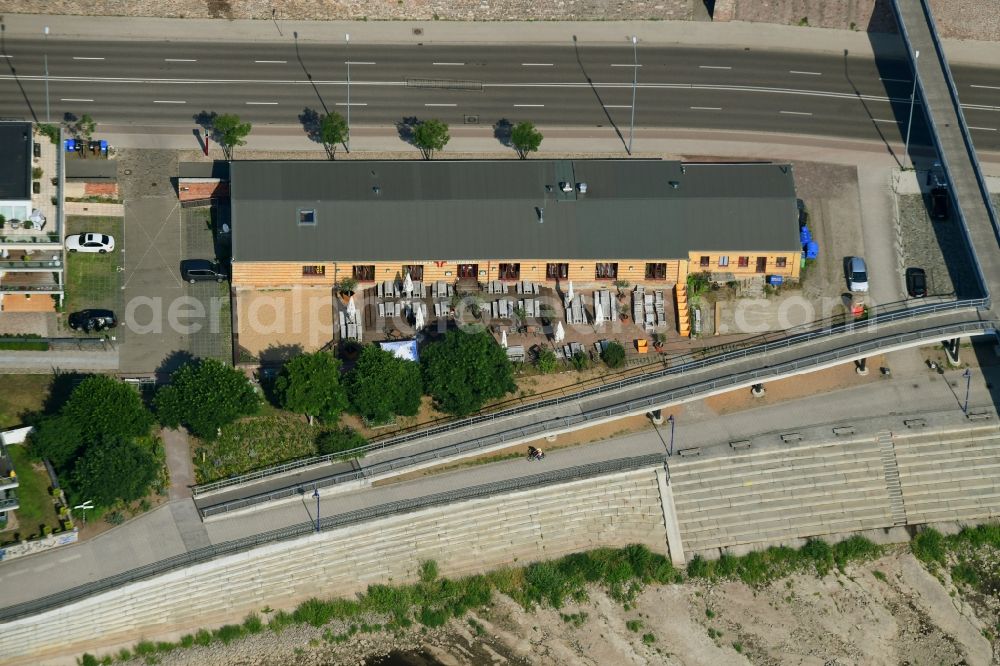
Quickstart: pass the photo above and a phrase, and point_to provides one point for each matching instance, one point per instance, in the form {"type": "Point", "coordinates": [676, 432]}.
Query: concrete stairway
{"type": "Point", "coordinates": [891, 471]}
{"type": "Point", "coordinates": [779, 495]}
{"type": "Point", "coordinates": [952, 476]}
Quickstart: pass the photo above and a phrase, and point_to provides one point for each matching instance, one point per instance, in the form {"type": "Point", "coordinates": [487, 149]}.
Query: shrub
{"type": "Point", "coordinates": [338, 440]}
{"type": "Point", "coordinates": [855, 549]}
{"type": "Point", "coordinates": [428, 571]}
{"type": "Point", "coordinates": [187, 640]}
{"type": "Point", "coordinates": [613, 355]}
{"type": "Point", "coordinates": [87, 660]}
{"type": "Point", "coordinates": [313, 611]}
{"type": "Point", "coordinates": [546, 361]}
{"type": "Point", "coordinates": [648, 639]}
{"type": "Point", "coordinates": [228, 633]}
{"type": "Point", "coordinates": [820, 554]}
{"type": "Point", "coordinates": [37, 173]}
{"type": "Point", "coordinates": [580, 361]}
{"type": "Point", "coordinates": [252, 624]}
{"type": "Point", "coordinates": [145, 648]}
{"type": "Point", "coordinates": [203, 638]}
{"type": "Point", "coordinates": [432, 617]}
{"type": "Point", "coordinates": [279, 621]}
{"type": "Point", "coordinates": [633, 625]}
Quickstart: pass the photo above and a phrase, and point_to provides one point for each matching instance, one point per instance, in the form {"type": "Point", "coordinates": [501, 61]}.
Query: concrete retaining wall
{"type": "Point", "coordinates": [463, 538]}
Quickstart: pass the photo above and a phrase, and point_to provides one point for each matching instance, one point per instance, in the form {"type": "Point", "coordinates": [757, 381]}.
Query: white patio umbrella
{"type": "Point", "coordinates": [352, 309]}
{"type": "Point", "coordinates": [569, 292]}
{"type": "Point", "coordinates": [418, 318]}
{"type": "Point", "coordinates": [598, 313]}
{"type": "Point", "coordinates": [407, 285]}
{"type": "Point", "coordinates": [503, 338]}
{"type": "Point", "coordinates": [560, 334]}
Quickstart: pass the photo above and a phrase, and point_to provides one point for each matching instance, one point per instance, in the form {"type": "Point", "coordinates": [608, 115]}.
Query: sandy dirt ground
{"type": "Point", "coordinates": [890, 611]}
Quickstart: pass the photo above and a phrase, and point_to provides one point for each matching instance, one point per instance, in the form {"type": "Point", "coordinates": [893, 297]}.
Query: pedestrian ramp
{"type": "Point", "coordinates": [780, 495]}
{"type": "Point", "coordinates": [950, 476]}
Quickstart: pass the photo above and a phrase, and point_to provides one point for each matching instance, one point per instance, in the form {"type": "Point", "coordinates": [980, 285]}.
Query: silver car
{"type": "Point", "coordinates": [857, 274]}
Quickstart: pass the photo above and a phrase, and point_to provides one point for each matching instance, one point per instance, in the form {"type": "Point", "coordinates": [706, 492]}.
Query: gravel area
{"type": "Point", "coordinates": [960, 19]}
{"type": "Point", "coordinates": [935, 246]}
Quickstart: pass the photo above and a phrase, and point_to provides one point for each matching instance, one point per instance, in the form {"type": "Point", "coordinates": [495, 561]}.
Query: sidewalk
{"type": "Point", "coordinates": [733, 34]}
{"type": "Point", "coordinates": [159, 534]}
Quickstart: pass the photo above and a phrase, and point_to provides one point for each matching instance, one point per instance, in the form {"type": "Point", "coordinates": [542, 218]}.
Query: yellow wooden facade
{"type": "Point", "coordinates": [785, 264]}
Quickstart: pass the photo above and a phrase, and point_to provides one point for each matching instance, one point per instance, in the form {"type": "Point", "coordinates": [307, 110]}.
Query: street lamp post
{"type": "Point", "coordinates": [89, 504]}
{"type": "Point", "coordinates": [913, 97]}
{"type": "Point", "coordinates": [347, 38]}
{"type": "Point", "coordinates": [45, 56]}
{"type": "Point", "coordinates": [635, 83]}
{"type": "Point", "coordinates": [316, 495]}
{"type": "Point", "coordinates": [968, 383]}
{"type": "Point", "coordinates": [671, 419]}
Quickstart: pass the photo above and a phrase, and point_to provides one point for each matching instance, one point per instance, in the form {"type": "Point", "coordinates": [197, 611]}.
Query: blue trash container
{"type": "Point", "coordinates": [104, 146]}
{"type": "Point", "coordinates": [70, 145]}
{"type": "Point", "coordinates": [812, 250]}
{"type": "Point", "coordinates": [775, 280]}
{"type": "Point", "coordinates": [805, 235]}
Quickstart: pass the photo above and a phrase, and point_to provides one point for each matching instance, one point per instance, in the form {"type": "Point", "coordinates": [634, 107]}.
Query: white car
{"type": "Point", "coordinates": [90, 242]}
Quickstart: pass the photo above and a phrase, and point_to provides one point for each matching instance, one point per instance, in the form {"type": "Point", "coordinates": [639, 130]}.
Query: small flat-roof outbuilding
{"type": "Point", "coordinates": [15, 163]}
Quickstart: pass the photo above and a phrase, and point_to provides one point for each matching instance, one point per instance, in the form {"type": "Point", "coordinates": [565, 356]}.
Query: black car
{"type": "Point", "coordinates": [916, 282]}
{"type": "Point", "coordinates": [939, 203]}
{"type": "Point", "coordinates": [92, 320]}
{"type": "Point", "coordinates": [197, 270]}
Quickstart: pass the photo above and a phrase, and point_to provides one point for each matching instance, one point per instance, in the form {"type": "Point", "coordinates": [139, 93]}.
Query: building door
{"type": "Point", "coordinates": [761, 264]}
{"type": "Point", "coordinates": [468, 271]}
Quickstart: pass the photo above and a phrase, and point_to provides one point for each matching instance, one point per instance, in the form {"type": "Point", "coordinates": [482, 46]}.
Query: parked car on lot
{"type": "Point", "coordinates": [92, 320]}
{"type": "Point", "coordinates": [939, 203]}
{"type": "Point", "coordinates": [197, 270]}
{"type": "Point", "coordinates": [90, 242]}
{"type": "Point", "coordinates": [916, 282]}
{"type": "Point", "coordinates": [857, 274]}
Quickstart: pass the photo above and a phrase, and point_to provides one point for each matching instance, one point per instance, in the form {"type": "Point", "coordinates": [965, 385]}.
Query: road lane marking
{"type": "Point", "coordinates": [272, 62]}
{"type": "Point", "coordinates": [169, 101]}
{"type": "Point", "coordinates": [617, 106]}
{"type": "Point", "coordinates": [440, 104]}
{"type": "Point", "coordinates": [796, 113]}
{"type": "Point", "coordinates": [792, 71]}
{"type": "Point", "coordinates": [352, 104]}
{"type": "Point", "coordinates": [448, 64]}
{"type": "Point", "coordinates": [6, 56]}
{"type": "Point", "coordinates": [516, 106]}
{"type": "Point", "coordinates": [262, 103]}
{"type": "Point", "coordinates": [537, 64]}
{"type": "Point", "coordinates": [707, 108]}
{"type": "Point", "coordinates": [85, 58]}
{"type": "Point", "coordinates": [358, 62]}
{"type": "Point", "coordinates": [989, 87]}
{"type": "Point", "coordinates": [883, 120]}
{"type": "Point", "coordinates": [180, 60]}
{"type": "Point", "coordinates": [74, 99]}
{"type": "Point", "coordinates": [624, 65]}
{"type": "Point", "coordinates": [984, 129]}
{"type": "Point", "coordinates": [714, 67]}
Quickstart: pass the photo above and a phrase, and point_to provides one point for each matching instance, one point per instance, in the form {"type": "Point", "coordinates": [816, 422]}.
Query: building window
{"type": "Point", "coordinates": [364, 272]}
{"type": "Point", "coordinates": [313, 270]}
{"type": "Point", "coordinates": [780, 262]}
{"type": "Point", "coordinates": [510, 271]}
{"type": "Point", "coordinates": [744, 262]}
{"type": "Point", "coordinates": [307, 216]}
{"type": "Point", "coordinates": [704, 261]}
{"type": "Point", "coordinates": [606, 271]}
{"type": "Point", "coordinates": [415, 271]}
{"type": "Point", "coordinates": [723, 261]}
{"type": "Point", "coordinates": [656, 271]}
{"type": "Point", "coordinates": [761, 264]}
{"type": "Point", "coordinates": [556, 271]}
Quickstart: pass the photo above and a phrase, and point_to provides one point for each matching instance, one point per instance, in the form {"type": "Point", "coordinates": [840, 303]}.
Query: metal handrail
{"type": "Point", "coordinates": [21, 263]}
{"type": "Point", "coordinates": [207, 553]}
{"type": "Point", "coordinates": [31, 287]}
{"type": "Point", "coordinates": [640, 404]}
{"type": "Point", "coordinates": [695, 364]}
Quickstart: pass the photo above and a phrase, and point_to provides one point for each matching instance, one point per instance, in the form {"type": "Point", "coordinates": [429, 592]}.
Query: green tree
{"type": "Point", "coordinates": [338, 440]}
{"type": "Point", "coordinates": [83, 127]}
{"type": "Point", "coordinates": [525, 139]}
{"type": "Point", "coordinates": [113, 470]}
{"type": "Point", "coordinates": [381, 385]}
{"type": "Point", "coordinates": [332, 131]}
{"type": "Point", "coordinates": [465, 370]}
{"type": "Point", "coordinates": [310, 384]}
{"type": "Point", "coordinates": [203, 396]}
{"type": "Point", "coordinates": [229, 132]}
{"type": "Point", "coordinates": [430, 135]}
{"type": "Point", "coordinates": [58, 440]}
{"type": "Point", "coordinates": [546, 361]}
{"type": "Point", "coordinates": [613, 354]}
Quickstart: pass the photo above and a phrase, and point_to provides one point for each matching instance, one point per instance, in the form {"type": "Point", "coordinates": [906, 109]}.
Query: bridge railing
{"type": "Point", "coordinates": [207, 553]}
{"type": "Point", "coordinates": [541, 428]}
{"type": "Point", "coordinates": [690, 362]}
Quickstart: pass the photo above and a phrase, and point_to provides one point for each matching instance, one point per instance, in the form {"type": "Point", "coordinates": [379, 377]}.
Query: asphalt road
{"type": "Point", "coordinates": [167, 83]}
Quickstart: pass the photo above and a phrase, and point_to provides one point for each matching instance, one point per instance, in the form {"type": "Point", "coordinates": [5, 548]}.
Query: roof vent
{"type": "Point", "coordinates": [675, 184]}
{"type": "Point", "coordinates": [581, 188]}
{"type": "Point", "coordinates": [377, 190]}
{"type": "Point", "coordinates": [566, 187]}
{"type": "Point", "coordinates": [548, 188]}
{"type": "Point", "coordinates": [541, 214]}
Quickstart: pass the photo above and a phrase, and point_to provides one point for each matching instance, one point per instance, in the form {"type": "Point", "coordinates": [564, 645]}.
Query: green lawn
{"type": "Point", "coordinates": [36, 507]}
{"type": "Point", "coordinates": [20, 394]}
{"type": "Point", "coordinates": [92, 280]}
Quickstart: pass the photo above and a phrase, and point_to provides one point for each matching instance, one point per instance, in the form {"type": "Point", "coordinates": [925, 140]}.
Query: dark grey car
{"type": "Point", "coordinates": [198, 270]}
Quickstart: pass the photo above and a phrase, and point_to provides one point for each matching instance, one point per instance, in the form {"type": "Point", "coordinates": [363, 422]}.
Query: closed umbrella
{"type": "Point", "coordinates": [598, 313]}
{"type": "Point", "coordinates": [352, 309]}
{"type": "Point", "coordinates": [503, 338]}
{"type": "Point", "coordinates": [560, 334]}
{"type": "Point", "coordinates": [569, 292]}
{"type": "Point", "coordinates": [407, 285]}
{"type": "Point", "coordinates": [418, 318]}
